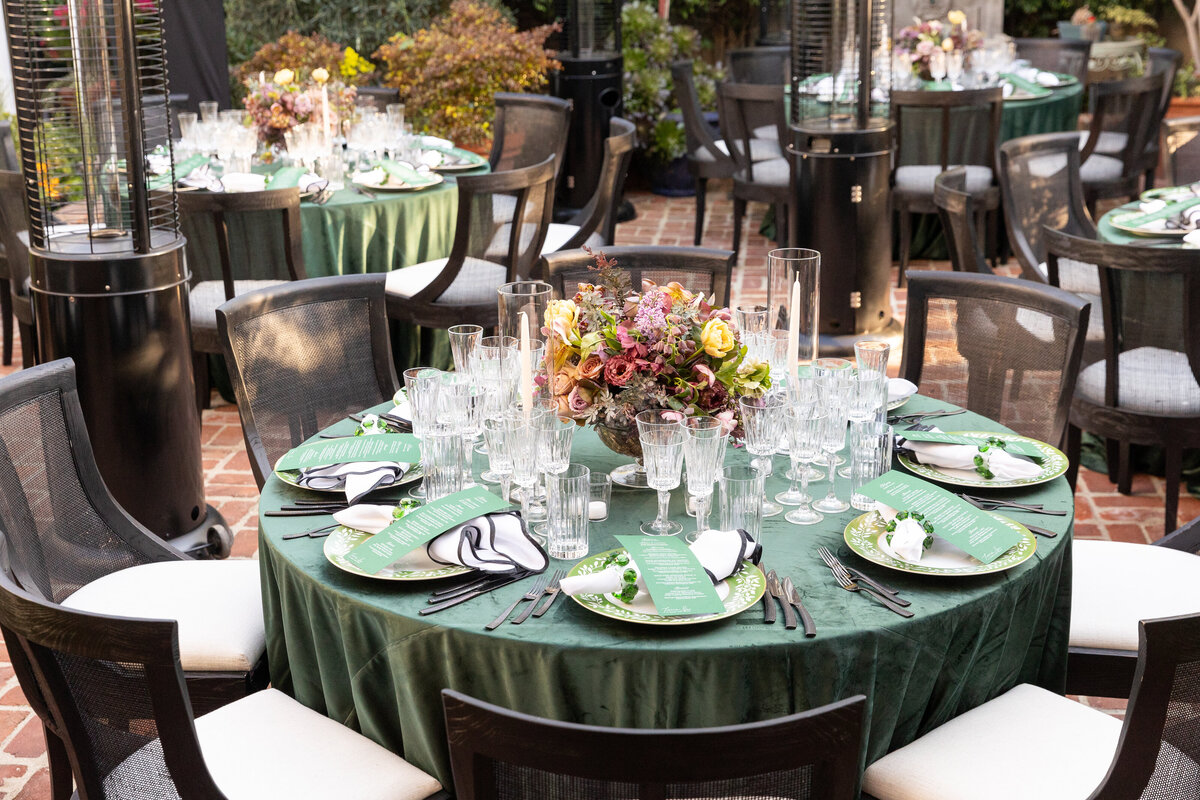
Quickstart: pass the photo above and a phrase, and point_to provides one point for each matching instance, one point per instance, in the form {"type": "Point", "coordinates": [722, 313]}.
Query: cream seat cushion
{"type": "Point", "coordinates": [218, 605]}
{"type": "Point", "coordinates": [560, 233]}
{"type": "Point", "coordinates": [1151, 380]}
{"type": "Point", "coordinates": [1026, 743]}
{"type": "Point", "coordinates": [760, 150]}
{"type": "Point", "coordinates": [1115, 585]}
{"type": "Point", "coordinates": [476, 282]}
{"type": "Point", "coordinates": [267, 745]}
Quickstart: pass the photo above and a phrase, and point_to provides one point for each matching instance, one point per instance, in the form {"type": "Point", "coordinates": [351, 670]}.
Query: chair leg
{"type": "Point", "coordinates": [701, 202]}
{"type": "Point", "coordinates": [905, 239]}
{"type": "Point", "coordinates": [1173, 473]}
{"type": "Point", "coordinates": [1112, 454]}
{"type": "Point", "coordinates": [1149, 178]}
{"type": "Point", "coordinates": [739, 211]}
{"type": "Point", "coordinates": [993, 237]}
{"type": "Point", "coordinates": [1074, 444]}
{"type": "Point", "coordinates": [200, 374]}
{"type": "Point", "coordinates": [1125, 472]}
{"type": "Point", "coordinates": [781, 224]}
{"type": "Point", "coordinates": [6, 320]}
{"type": "Point", "coordinates": [62, 783]}
{"type": "Point", "coordinates": [28, 345]}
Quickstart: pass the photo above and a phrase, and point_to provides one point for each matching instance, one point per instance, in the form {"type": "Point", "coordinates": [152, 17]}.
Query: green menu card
{"type": "Point", "coordinates": [423, 525]}
{"type": "Point", "coordinates": [975, 532]}
{"type": "Point", "coordinates": [401, 447]}
{"type": "Point", "coordinates": [677, 582]}
{"type": "Point", "coordinates": [1016, 448]}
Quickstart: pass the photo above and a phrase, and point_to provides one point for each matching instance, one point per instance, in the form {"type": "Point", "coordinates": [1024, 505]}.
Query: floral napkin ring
{"type": "Point", "coordinates": [926, 526]}
{"type": "Point", "coordinates": [981, 462]}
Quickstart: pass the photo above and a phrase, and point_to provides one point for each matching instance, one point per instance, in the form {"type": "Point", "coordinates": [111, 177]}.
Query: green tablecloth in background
{"type": "Point", "coordinates": [355, 649]}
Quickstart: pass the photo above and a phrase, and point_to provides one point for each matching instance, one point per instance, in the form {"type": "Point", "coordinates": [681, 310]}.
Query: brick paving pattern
{"type": "Point", "coordinates": [1100, 512]}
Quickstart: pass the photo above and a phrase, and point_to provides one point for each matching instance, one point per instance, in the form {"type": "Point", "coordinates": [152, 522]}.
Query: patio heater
{"type": "Point", "coordinates": [842, 143]}
{"type": "Point", "coordinates": [107, 273]}
{"type": "Point", "coordinates": [591, 77]}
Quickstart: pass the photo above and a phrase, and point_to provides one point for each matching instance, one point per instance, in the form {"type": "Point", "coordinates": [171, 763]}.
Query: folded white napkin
{"type": "Point", "coordinates": [356, 478]}
{"type": "Point", "coordinates": [962, 456]}
{"type": "Point", "coordinates": [243, 182]}
{"type": "Point", "coordinates": [899, 388]}
{"type": "Point", "coordinates": [908, 540]}
{"type": "Point", "coordinates": [1007, 89]}
{"type": "Point", "coordinates": [311, 182]}
{"type": "Point", "coordinates": [491, 543]}
{"type": "Point", "coordinates": [720, 553]}
{"type": "Point", "coordinates": [1150, 206]}
{"type": "Point", "coordinates": [370, 177]}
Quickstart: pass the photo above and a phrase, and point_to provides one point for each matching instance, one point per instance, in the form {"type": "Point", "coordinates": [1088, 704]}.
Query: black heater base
{"type": "Point", "coordinates": [212, 538]}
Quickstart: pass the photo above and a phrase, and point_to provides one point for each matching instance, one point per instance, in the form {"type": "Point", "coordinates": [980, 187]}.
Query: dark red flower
{"type": "Point", "coordinates": [618, 370]}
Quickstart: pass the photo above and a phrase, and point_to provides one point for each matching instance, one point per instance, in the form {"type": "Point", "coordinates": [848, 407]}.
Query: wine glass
{"type": "Point", "coordinates": [554, 437]}
{"type": "Point", "coordinates": [662, 454]}
{"type": "Point", "coordinates": [954, 66]}
{"type": "Point", "coordinates": [521, 441]}
{"type": "Point", "coordinates": [703, 452]}
{"type": "Point", "coordinates": [831, 387]}
{"type": "Point", "coordinates": [937, 65]}
{"type": "Point", "coordinates": [762, 421]}
{"type": "Point", "coordinates": [462, 404]}
{"type": "Point", "coordinates": [500, 462]}
{"type": "Point", "coordinates": [421, 385]}
{"type": "Point", "coordinates": [805, 423]}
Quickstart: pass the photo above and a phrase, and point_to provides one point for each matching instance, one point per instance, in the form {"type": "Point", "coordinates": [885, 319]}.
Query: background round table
{"type": "Point", "coordinates": [356, 650]}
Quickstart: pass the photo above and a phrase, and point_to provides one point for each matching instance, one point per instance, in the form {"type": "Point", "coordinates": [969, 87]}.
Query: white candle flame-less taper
{"type": "Point", "coordinates": [526, 369]}
{"type": "Point", "coordinates": [793, 349]}
{"type": "Point", "coordinates": [325, 142]}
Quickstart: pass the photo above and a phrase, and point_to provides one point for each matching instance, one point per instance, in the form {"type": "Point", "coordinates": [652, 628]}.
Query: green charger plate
{"type": "Point", "coordinates": [1053, 461]}
{"type": "Point", "coordinates": [344, 539]}
{"type": "Point", "coordinates": [863, 533]}
{"type": "Point", "coordinates": [745, 588]}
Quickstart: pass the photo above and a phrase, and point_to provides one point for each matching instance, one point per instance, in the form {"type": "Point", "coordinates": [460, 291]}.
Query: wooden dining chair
{"type": "Point", "coordinates": [697, 269]}
{"type": "Point", "coordinates": [67, 541]}
{"type": "Point", "coordinates": [14, 268]}
{"type": "Point", "coordinates": [267, 253]}
{"type": "Point", "coordinates": [768, 65]}
{"type": "Point", "coordinates": [527, 130]}
{"type": "Point", "coordinates": [502, 222]}
{"type": "Point", "coordinates": [1064, 56]}
{"type": "Point", "coordinates": [1181, 146]}
{"type": "Point", "coordinates": [1154, 753]}
{"type": "Point", "coordinates": [1002, 347]}
{"type": "Point", "coordinates": [596, 223]}
{"type": "Point", "coordinates": [109, 691]}
{"type": "Point", "coordinates": [943, 130]}
{"type": "Point", "coordinates": [302, 356]}
{"type": "Point", "coordinates": [497, 753]}
{"type": "Point", "coordinates": [1114, 585]}
{"type": "Point", "coordinates": [956, 209]}
{"type": "Point", "coordinates": [1146, 388]}
{"type": "Point", "coordinates": [753, 113]}
{"type": "Point", "coordinates": [1125, 121]}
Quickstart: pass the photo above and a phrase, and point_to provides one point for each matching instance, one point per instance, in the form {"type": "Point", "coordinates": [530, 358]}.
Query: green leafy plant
{"type": "Point", "coordinates": [651, 44]}
{"type": "Point", "coordinates": [297, 51]}
{"type": "Point", "coordinates": [448, 73]}
{"type": "Point", "coordinates": [1187, 82]}
{"type": "Point", "coordinates": [1131, 23]}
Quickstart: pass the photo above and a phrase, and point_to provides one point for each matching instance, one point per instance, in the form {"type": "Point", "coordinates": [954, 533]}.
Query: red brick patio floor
{"type": "Point", "coordinates": [1100, 512]}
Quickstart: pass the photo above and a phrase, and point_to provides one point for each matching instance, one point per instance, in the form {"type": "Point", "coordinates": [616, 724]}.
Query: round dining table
{"type": "Point", "coordinates": [355, 648]}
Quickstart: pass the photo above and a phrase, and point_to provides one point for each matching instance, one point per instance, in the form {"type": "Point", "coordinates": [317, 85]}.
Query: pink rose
{"type": "Point", "coordinates": [924, 47]}
{"type": "Point", "coordinates": [728, 421]}
{"type": "Point", "coordinates": [618, 370]}
{"type": "Point", "coordinates": [579, 400]}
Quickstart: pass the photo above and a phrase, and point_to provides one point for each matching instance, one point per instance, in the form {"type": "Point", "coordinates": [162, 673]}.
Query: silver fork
{"type": "Point", "coordinates": [846, 582]}
{"type": "Point", "coordinates": [525, 612]}
{"type": "Point", "coordinates": [534, 593]}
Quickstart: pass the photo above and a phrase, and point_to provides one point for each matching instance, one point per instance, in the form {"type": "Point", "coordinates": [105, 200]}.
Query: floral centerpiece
{"type": "Point", "coordinates": [617, 352]}
{"type": "Point", "coordinates": [920, 39]}
{"type": "Point", "coordinates": [294, 97]}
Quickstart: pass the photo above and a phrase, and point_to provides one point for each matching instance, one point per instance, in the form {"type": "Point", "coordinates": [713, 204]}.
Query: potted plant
{"type": "Point", "coordinates": [448, 73]}
{"type": "Point", "coordinates": [651, 45]}
{"type": "Point", "coordinates": [1186, 101]}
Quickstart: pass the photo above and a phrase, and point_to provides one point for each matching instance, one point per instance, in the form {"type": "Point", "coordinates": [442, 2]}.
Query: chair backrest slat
{"type": "Point", "coordinates": [527, 129]}
{"type": "Point", "coordinates": [697, 269]}
{"type": "Point", "coordinates": [600, 213]}
{"type": "Point", "coordinates": [959, 116]}
{"type": "Point", "coordinates": [956, 208]}
{"type": "Point", "coordinates": [747, 108]}
{"type": "Point", "coordinates": [698, 134]}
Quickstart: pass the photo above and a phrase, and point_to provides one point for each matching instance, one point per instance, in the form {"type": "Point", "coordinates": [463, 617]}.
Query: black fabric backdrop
{"type": "Point", "coordinates": [197, 60]}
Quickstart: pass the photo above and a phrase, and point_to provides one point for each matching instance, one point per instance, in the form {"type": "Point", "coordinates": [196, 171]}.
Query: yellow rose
{"type": "Point", "coordinates": [956, 17]}
{"type": "Point", "coordinates": [716, 337]}
{"type": "Point", "coordinates": [561, 316]}
{"type": "Point", "coordinates": [948, 45]}
{"type": "Point", "coordinates": [320, 74]}
{"type": "Point", "coordinates": [284, 76]}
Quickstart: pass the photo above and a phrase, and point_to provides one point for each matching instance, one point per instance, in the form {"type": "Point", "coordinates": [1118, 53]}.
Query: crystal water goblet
{"type": "Point", "coordinates": [703, 452]}
{"type": "Point", "coordinates": [762, 422]}
{"type": "Point", "coordinates": [662, 453]}
{"type": "Point", "coordinates": [554, 437]}
{"type": "Point", "coordinates": [500, 462]}
{"type": "Point", "coordinates": [421, 387]}
{"type": "Point", "coordinates": [805, 423]}
{"type": "Point", "coordinates": [521, 440]}
{"type": "Point", "coordinates": [463, 341]}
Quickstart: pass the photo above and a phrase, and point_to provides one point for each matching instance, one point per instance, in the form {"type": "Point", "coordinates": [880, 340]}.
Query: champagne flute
{"type": "Point", "coordinates": [662, 453]}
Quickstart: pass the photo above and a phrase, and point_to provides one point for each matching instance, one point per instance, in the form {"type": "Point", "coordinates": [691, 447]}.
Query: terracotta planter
{"type": "Point", "coordinates": [1183, 107]}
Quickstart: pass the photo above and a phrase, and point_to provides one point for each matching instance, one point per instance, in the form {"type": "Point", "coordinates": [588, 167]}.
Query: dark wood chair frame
{"type": "Point", "coordinates": [481, 734]}
{"type": "Point", "coordinates": [737, 131]}
{"type": "Point", "coordinates": [206, 690]}
{"type": "Point", "coordinates": [422, 308]}
{"type": "Point", "coordinates": [699, 137]}
{"type": "Point", "coordinates": [1046, 54]}
{"type": "Point", "coordinates": [563, 266]}
{"type": "Point", "coordinates": [1145, 94]}
{"type": "Point", "coordinates": [767, 64]}
{"type": "Point", "coordinates": [945, 104]}
{"type": "Point", "coordinates": [1079, 220]}
{"type": "Point", "coordinates": [1100, 672]}
{"type": "Point", "coordinates": [15, 269]}
{"type": "Point", "coordinates": [956, 210]}
{"type": "Point", "coordinates": [1166, 61]}
{"type": "Point", "coordinates": [1173, 131]}
{"type": "Point", "coordinates": [1122, 427]}
{"type": "Point", "coordinates": [556, 106]}
{"type": "Point", "coordinates": [1054, 302]}
{"type": "Point", "coordinates": [214, 206]}
{"type": "Point", "coordinates": [263, 302]}
{"type": "Point", "coordinates": [600, 213]}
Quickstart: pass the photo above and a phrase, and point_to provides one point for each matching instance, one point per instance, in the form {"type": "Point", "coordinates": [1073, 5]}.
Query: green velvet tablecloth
{"type": "Point", "coordinates": [355, 649]}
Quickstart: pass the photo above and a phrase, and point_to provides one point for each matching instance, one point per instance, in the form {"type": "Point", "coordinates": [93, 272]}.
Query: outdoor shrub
{"type": "Point", "coordinates": [293, 50]}
{"type": "Point", "coordinates": [448, 72]}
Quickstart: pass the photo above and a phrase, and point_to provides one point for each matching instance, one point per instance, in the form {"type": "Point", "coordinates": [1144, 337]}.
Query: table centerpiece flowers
{"type": "Point", "coordinates": [295, 97]}
{"type": "Point", "coordinates": [919, 40]}
{"type": "Point", "coordinates": [617, 352]}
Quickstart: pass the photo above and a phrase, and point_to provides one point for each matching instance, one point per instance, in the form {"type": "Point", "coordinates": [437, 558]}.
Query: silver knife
{"type": "Point", "coordinates": [789, 614]}
{"type": "Point", "coordinates": [471, 595]}
{"type": "Point", "coordinates": [793, 597]}
{"type": "Point", "coordinates": [768, 602]}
